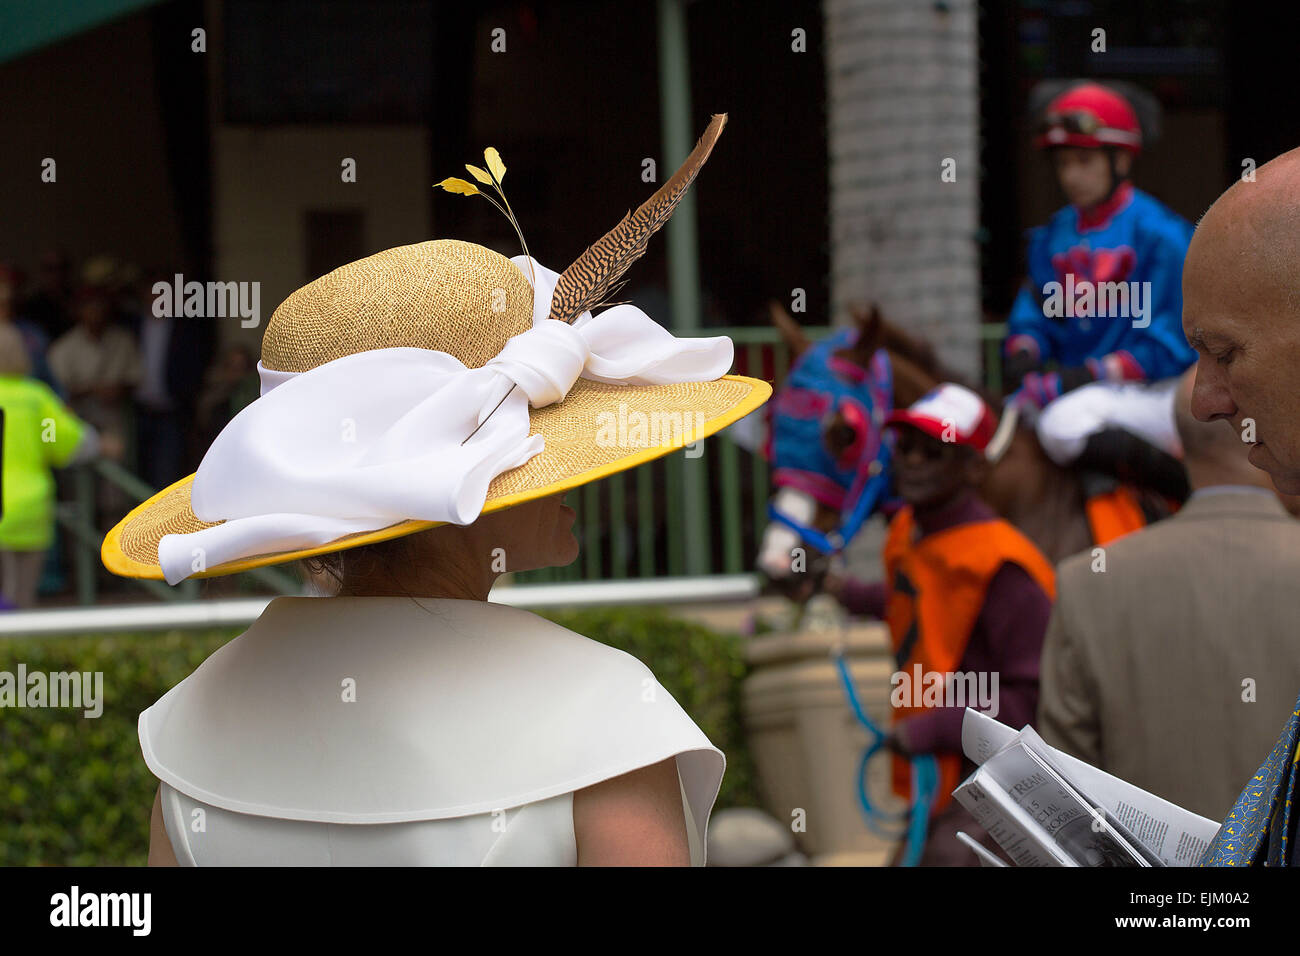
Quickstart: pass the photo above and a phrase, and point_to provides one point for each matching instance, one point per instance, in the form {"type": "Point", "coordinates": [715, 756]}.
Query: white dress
{"type": "Point", "coordinates": [398, 731]}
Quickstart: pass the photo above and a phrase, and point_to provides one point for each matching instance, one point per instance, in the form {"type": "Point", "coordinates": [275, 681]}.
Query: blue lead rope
{"type": "Point", "coordinates": [925, 782]}
{"type": "Point", "coordinates": [925, 771]}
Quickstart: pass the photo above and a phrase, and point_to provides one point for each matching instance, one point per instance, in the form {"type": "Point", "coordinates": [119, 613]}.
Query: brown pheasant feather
{"type": "Point", "coordinates": [587, 282]}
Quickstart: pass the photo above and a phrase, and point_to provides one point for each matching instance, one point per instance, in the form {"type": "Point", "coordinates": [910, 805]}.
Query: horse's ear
{"type": "Point", "coordinates": [870, 325]}
{"type": "Point", "coordinates": [791, 332]}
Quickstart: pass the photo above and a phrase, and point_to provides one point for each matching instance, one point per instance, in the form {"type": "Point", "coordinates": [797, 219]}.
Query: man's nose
{"type": "Point", "coordinates": [1211, 398]}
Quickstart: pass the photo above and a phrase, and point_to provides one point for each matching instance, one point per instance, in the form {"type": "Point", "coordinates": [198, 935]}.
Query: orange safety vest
{"type": "Point", "coordinates": [935, 593]}
{"type": "Point", "coordinates": [1113, 514]}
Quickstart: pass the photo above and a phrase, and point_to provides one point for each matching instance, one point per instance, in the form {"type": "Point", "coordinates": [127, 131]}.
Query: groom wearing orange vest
{"type": "Point", "coordinates": [966, 597]}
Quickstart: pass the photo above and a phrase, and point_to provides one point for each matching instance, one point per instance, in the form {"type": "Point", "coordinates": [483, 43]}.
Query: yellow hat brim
{"type": "Point", "coordinates": [572, 458]}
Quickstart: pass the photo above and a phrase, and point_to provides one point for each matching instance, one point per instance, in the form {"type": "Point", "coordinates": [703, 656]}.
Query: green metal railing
{"type": "Point", "coordinates": [77, 519]}
{"type": "Point", "coordinates": [631, 525]}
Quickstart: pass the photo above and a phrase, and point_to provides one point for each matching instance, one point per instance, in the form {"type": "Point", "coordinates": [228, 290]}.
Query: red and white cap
{"type": "Point", "coordinates": [950, 413]}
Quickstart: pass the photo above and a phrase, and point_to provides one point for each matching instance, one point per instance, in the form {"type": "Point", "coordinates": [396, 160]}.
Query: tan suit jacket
{"type": "Point", "coordinates": [1145, 665]}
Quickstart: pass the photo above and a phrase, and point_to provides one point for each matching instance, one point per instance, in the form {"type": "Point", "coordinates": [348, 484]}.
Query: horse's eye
{"type": "Point", "coordinates": [841, 436]}
{"type": "Point", "coordinates": [847, 434]}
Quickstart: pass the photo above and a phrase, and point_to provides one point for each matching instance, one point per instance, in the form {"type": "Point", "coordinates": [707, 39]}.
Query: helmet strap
{"type": "Point", "coordinates": [1112, 157]}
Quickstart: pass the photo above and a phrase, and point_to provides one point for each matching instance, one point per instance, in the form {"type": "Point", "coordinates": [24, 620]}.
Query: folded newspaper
{"type": "Point", "coordinates": [1046, 808]}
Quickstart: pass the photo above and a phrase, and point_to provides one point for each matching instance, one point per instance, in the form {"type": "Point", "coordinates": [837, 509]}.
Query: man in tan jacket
{"type": "Point", "coordinates": [1170, 656]}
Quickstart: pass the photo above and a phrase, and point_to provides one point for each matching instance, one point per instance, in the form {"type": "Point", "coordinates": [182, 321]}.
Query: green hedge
{"type": "Point", "coordinates": [75, 791]}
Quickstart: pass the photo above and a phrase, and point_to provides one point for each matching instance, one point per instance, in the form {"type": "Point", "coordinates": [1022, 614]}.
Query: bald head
{"type": "Point", "coordinates": [1254, 229]}
{"type": "Point", "coordinates": [1266, 197]}
{"type": "Point", "coordinates": [1241, 312]}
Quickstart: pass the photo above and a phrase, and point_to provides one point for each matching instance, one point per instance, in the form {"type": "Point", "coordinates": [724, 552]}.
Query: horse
{"type": "Point", "coordinates": [1047, 502]}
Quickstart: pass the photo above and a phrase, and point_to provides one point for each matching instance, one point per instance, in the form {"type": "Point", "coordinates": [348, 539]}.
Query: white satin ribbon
{"type": "Point", "coordinates": [374, 438]}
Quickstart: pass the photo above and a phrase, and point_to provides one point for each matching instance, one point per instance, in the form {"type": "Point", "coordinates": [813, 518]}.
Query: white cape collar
{"type": "Point", "coordinates": [382, 710]}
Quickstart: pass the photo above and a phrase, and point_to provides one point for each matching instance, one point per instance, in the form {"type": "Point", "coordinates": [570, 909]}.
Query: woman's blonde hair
{"type": "Point", "coordinates": [14, 359]}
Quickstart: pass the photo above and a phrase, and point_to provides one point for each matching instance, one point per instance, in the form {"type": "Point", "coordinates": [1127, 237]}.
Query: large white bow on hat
{"type": "Point", "coordinates": [374, 438]}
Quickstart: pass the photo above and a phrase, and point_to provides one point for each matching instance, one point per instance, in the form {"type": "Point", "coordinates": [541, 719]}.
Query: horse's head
{"type": "Point", "coordinates": [825, 432]}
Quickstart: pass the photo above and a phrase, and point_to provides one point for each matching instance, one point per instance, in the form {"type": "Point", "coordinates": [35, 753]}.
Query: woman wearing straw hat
{"type": "Point", "coordinates": [422, 413]}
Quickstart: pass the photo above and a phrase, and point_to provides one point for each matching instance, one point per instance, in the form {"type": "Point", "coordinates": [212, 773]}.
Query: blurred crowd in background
{"type": "Point", "coordinates": [155, 389]}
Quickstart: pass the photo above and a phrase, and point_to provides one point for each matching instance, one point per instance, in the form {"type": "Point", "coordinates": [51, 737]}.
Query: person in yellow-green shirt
{"type": "Point", "coordinates": [40, 434]}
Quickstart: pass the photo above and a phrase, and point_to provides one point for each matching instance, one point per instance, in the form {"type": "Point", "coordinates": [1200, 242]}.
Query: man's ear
{"type": "Point", "coordinates": [1124, 162]}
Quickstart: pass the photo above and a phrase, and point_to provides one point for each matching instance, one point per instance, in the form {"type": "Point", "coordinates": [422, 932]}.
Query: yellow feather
{"type": "Point", "coordinates": [453, 185]}
{"type": "Point", "coordinates": [480, 174]}
{"type": "Point", "coordinates": [494, 163]}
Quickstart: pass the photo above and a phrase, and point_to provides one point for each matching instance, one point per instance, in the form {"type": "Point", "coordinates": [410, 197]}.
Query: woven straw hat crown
{"type": "Point", "coordinates": [445, 295]}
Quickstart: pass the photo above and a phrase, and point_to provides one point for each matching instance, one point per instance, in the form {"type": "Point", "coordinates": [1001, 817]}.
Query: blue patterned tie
{"type": "Point", "coordinates": [1258, 830]}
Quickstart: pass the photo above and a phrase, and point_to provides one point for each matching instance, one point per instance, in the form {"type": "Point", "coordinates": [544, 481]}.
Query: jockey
{"type": "Point", "coordinates": [1103, 300]}
{"type": "Point", "coordinates": [965, 593]}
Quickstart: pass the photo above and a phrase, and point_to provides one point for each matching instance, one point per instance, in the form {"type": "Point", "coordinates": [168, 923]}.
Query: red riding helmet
{"type": "Point", "coordinates": [1092, 116]}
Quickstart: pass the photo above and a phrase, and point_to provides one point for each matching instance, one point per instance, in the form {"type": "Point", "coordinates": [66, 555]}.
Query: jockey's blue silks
{"type": "Point", "coordinates": [1133, 245]}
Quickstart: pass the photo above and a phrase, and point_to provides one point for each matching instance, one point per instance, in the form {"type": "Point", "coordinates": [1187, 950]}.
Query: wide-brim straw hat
{"type": "Point", "coordinates": [431, 296]}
